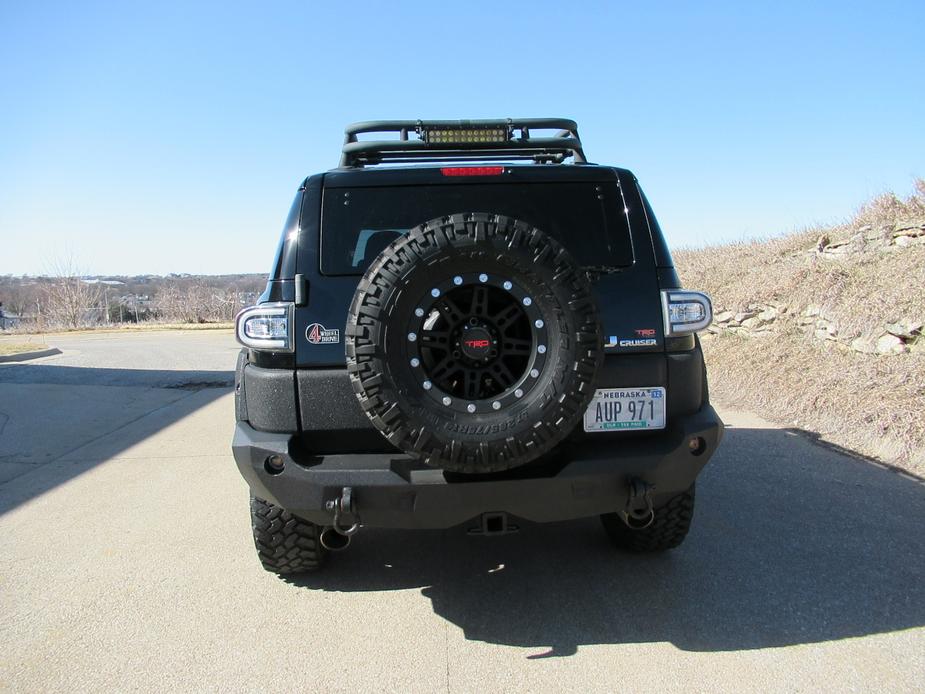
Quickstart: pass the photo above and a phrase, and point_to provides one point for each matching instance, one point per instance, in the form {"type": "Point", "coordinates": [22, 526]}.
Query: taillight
{"type": "Point", "coordinates": [685, 312]}
{"type": "Point", "coordinates": [267, 327]}
{"type": "Point", "coordinates": [472, 170]}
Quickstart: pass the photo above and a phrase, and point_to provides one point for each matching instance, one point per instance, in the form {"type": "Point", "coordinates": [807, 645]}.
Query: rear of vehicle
{"type": "Point", "coordinates": [453, 342]}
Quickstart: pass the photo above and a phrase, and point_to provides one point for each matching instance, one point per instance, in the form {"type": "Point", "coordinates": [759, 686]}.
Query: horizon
{"type": "Point", "coordinates": [171, 139]}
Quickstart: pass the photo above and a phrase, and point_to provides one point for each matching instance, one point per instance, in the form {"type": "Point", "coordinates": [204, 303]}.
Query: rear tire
{"type": "Point", "coordinates": [285, 543]}
{"type": "Point", "coordinates": [669, 527]}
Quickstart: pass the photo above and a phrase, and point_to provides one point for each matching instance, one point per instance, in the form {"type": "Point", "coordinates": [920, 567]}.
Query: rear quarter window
{"type": "Point", "coordinates": [587, 218]}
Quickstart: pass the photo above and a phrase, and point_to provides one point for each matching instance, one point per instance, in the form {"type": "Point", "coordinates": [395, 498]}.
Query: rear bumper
{"type": "Point", "coordinates": [396, 491]}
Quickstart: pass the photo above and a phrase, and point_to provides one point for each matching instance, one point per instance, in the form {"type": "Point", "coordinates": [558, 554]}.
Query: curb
{"type": "Point", "coordinates": [26, 356]}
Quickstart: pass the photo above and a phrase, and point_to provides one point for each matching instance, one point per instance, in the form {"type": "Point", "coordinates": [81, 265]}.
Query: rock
{"type": "Point", "coordinates": [903, 241]}
{"type": "Point", "coordinates": [769, 314]}
{"type": "Point", "coordinates": [723, 317]}
{"type": "Point", "coordinates": [901, 229]}
{"type": "Point", "coordinates": [890, 344]}
{"type": "Point", "coordinates": [812, 311]}
{"type": "Point", "coordinates": [865, 345]}
{"type": "Point", "coordinates": [828, 327]}
{"type": "Point", "coordinates": [742, 316]}
{"type": "Point", "coordinates": [905, 329]}
{"type": "Point", "coordinates": [752, 323]}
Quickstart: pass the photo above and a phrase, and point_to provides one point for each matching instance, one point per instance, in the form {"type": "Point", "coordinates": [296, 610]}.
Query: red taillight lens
{"type": "Point", "coordinates": [472, 170]}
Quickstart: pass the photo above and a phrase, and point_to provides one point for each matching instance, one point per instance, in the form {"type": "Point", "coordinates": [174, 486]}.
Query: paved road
{"type": "Point", "coordinates": [126, 563]}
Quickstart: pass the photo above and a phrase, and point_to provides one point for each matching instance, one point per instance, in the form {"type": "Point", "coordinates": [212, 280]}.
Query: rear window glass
{"type": "Point", "coordinates": [587, 218]}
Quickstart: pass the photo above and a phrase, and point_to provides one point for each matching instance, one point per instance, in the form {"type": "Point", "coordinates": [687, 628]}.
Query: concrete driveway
{"type": "Point", "coordinates": [126, 563]}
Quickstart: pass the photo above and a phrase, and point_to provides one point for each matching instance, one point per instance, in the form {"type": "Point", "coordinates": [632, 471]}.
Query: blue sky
{"type": "Point", "coordinates": [170, 137]}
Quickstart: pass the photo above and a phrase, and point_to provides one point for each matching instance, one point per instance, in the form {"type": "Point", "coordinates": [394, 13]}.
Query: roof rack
{"type": "Point", "coordinates": [462, 140]}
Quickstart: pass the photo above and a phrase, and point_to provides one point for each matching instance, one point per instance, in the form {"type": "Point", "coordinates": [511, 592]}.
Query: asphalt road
{"type": "Point", "coordinates": [126, 563]}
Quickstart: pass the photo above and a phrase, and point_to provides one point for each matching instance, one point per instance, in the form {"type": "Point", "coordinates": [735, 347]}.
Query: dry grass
{"type": "Point", "coordinates": [872, 403]}
{"type": "Point", "coordinates": [146, 326]}
{"type": "Point", "coordinates": [9, 348]}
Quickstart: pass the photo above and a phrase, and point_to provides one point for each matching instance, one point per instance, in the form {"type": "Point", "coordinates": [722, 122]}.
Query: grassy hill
{"type": "Point", "coordinates": [823, 329]}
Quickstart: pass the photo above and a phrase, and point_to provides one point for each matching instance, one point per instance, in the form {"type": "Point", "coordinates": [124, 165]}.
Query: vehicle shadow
{"type": "Point", "coordinates": [792, 543]}
{"type": "Point", "coordinates": [57, 422]}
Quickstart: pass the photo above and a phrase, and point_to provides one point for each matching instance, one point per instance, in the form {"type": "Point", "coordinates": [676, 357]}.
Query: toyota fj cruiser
{"type": "Point", "coordinates": [490, 333]}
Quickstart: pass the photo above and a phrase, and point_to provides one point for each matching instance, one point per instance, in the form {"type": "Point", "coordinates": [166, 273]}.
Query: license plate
{"type": "Point", "coordinates": [616, 409]}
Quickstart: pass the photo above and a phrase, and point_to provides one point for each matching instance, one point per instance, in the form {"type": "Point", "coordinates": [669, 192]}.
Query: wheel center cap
{"type": "Point", "coordinates": [475, 342]}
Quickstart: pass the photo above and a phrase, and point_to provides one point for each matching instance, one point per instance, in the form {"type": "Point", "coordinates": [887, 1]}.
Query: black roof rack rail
{"type": "Point", "coordinates": [462, 140]}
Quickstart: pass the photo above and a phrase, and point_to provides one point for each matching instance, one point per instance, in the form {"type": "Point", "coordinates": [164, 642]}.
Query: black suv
{"type": "Point", "coordinates": [480, 333]}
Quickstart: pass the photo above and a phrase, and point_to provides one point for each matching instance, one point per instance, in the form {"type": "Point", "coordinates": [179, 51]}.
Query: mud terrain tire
{"type": "Point", "coordinates": [669, 527]}
{"type": "Point", "coordinates": [473, 342]}
{"type": "Point", "coordinates": [285, 543]}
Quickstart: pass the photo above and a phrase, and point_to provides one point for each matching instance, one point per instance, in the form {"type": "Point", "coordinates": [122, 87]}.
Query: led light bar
{"type": "Point", "coordinates": [442, 136]}
{"type": "Point", "coordinates": [685, 312]}
{"type": "Point", "coordinates": [267, 327]}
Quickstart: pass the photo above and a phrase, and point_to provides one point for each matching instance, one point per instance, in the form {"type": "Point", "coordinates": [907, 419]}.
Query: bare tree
{"type": "Point", "coordinates": [68, 299]}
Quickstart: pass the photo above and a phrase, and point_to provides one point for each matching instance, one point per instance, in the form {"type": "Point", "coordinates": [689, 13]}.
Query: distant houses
{"type": "Point", "coordinates": [8, 320]}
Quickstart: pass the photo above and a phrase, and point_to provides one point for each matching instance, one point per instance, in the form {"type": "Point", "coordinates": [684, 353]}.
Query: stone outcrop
{"type": "Point", "coordinates": [760, 320]}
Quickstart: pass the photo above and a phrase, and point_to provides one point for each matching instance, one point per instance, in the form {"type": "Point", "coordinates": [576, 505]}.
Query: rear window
{"type": "Point", "coordinates": [587, 218]}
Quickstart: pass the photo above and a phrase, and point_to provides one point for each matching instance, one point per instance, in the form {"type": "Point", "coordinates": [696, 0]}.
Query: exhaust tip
{"type": "Point", "coordinates": [334, 541]}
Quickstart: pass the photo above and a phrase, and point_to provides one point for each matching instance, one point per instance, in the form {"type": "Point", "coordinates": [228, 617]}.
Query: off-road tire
{"type": "Point", "coordinates": [400, 401]}
{"type": "Point", "coordinates": [668, 529]}
{"type": "Point", "coordinates": [285, 543]}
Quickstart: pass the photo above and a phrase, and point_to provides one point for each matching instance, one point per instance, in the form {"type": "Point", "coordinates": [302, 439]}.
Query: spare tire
{"type": "Point", "coordinates": [474, 343]}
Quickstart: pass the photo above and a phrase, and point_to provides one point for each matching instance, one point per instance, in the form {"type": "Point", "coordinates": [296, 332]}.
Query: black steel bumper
{"type": "Point", "coordinates": [396, 491]}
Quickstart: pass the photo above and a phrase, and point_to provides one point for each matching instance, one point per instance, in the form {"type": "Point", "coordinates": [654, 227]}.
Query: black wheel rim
{"type": "Point", "coordinates": [477, 343]}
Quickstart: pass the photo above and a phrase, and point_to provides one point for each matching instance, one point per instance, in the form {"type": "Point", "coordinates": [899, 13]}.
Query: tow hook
{"type": "Point", "coordinates": [338, 535]}
{"type": "Point", "coordinates": [639, 512]}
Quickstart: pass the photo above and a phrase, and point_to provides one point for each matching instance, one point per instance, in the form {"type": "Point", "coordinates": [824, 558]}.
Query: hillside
{"type": "Point", "coordinates": [823, 329]}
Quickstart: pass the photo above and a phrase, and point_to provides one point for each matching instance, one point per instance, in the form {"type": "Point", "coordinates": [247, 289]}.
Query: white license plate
{"type": "Point", "coordinates": [617, 409]}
